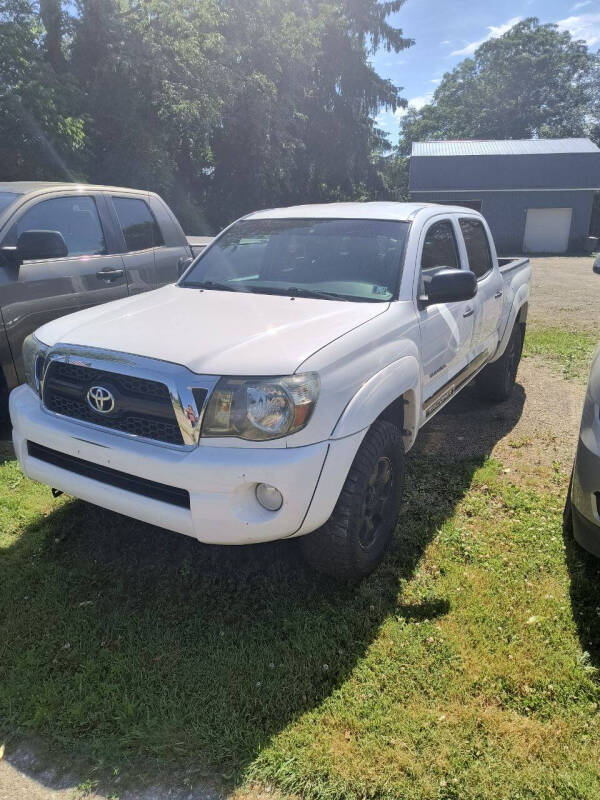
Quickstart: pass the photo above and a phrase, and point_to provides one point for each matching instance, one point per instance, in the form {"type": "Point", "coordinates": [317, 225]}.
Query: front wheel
{"type": "Point", "coordinates": [497, 380]}
{"type": "Point", "coordinates": [354, 539]}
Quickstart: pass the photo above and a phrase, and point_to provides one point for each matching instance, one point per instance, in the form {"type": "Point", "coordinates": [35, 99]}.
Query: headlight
{"type": "Point", "coordinates": [261, 408]}
{"type": "Point", "coordinates": [34, 357]}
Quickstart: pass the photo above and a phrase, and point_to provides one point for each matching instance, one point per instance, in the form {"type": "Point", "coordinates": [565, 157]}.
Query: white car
{"type": "Point", "coordinates": [273, 391]}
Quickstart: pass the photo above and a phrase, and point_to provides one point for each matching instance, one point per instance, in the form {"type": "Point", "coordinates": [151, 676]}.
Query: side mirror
{"type": "Point", "coordinates": [451, 286]}
{"type": "Point", "coordinates": [41, 244]}
{"type": "Point", "coordinates": [596, 266]}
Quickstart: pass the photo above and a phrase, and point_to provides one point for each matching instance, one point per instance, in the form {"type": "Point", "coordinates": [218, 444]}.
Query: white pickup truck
{"type": "Point", "coordinates": [273, 391]}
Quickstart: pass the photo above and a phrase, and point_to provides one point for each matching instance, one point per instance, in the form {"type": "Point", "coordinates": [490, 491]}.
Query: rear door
{"type": "Point", "coordinates": [155, 250]}
{"type": "Point", "coordinates": [446, 328]}
{"type": "Point", "coordinates": [139, 234]}
{"type": "Point", "coordinates": [488, 301]}
{"type": "Point", "coordinates": [41, 290]}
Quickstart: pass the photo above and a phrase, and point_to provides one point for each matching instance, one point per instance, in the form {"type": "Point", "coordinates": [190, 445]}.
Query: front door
{"type": "Point", "coordinates": [38, 291]}
{"type": "Point", "coordinates": [446, 328]}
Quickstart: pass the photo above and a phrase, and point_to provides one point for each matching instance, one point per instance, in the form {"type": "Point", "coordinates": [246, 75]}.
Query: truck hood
{"type": "Point", "coordinates": [213, 332]}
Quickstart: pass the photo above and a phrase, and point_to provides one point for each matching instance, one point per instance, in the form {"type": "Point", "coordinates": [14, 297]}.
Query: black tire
{"type": "Point", "coordinates": [354, 539]}
{"type": "Point", "coordinates": [497, 380]}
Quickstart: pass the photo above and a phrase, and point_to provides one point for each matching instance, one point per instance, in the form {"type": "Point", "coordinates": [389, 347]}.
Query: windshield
{"type": "Point", "coordinates": [6, 199]}
{"type": "Point", "coordinates": [331, 259]}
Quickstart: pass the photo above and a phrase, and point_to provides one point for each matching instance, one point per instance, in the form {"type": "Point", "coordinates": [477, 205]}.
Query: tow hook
{"type": "Point", "coordinates": [56, 492]}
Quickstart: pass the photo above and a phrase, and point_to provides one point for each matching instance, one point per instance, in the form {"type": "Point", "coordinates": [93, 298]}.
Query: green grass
{"type": "Point", "coordinates": [568, 351]}
{"type": "Point", "coordinates": [465, 667]}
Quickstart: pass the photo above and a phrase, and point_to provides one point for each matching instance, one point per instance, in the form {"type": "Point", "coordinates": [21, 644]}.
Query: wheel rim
{"type": "Point", "coordinates": [376, 501]}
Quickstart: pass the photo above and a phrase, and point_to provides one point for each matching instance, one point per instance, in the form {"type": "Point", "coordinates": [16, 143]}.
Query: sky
{"type": "Point", "coordinates": [447, 31]}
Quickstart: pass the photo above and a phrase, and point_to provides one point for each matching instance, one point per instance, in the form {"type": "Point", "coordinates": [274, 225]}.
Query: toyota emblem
{"type": "Point", "coordinates": [100, 399]}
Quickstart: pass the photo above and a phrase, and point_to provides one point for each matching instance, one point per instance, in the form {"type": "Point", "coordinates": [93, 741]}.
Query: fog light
{"type": "Point", "coordinates": [269, 497]}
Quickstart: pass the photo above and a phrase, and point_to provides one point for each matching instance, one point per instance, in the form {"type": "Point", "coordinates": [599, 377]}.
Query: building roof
{"type": "Point", "coordinates": [502, 147]}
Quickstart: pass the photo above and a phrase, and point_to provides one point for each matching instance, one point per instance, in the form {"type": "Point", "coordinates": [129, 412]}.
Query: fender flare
{"type": "Point", "coordinates": [518, 311]}
{"type": "Point", "coordinates": [401, 378]}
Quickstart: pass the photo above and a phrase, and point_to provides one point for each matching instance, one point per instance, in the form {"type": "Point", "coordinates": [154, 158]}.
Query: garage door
{"type": "Point", "coordinates": [547, 230]}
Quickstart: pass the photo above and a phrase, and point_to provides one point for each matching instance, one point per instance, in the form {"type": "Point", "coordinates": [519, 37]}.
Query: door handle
{"type": "Point", "coordinates": [469, 312]}
{"type": "Point", "coordinates": [110, 274]}
{"type": "Point", "coordinates": [498, 294]}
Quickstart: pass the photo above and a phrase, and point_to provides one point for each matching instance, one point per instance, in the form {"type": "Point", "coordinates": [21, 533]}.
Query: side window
{"type": "Point", "coordinates": [439, 249]}
{"type": "Point", "coordinates": [140, 229]}
{"type": "Point", "coordinates": [478, 247]}
{"type": "Point", "coordinates": [75, 217]}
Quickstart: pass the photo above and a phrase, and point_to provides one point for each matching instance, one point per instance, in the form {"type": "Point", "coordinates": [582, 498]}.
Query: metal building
{"type": "Point", "coordinates": [536, 194]}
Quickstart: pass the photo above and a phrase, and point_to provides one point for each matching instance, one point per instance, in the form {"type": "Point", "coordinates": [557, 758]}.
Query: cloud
{"type": "Point", "coordinates": [494, 32]}
{"type": "Point", "coordinates": [584, 26]}
{"type": "Point", "coordinates": [577, 6]}
{"type": "Point", "coordinates": [447, 41]}
{"type": "Point", "coordinates": [436, 80]}
{"type": "Point", "coordinates": [420, 101]}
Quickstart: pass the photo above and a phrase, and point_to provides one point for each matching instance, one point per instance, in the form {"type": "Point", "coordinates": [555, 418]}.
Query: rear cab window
{"type": "Point", "coordinates": [139, 226]}
{"type": "Point", "coordinates": [477, 246]}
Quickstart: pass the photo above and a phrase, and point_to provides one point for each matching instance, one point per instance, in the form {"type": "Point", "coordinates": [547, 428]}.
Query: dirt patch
{"type": "Point", "coordinates": [565, 293]}
{"type": "Point", "coordinates": [534, 433]}
{"type": "Point", "coordinates": [25, 774]}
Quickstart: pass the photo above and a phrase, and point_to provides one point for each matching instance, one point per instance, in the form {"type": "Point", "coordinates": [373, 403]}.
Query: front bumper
{"type": "Point", "coordinates": [221, 481]}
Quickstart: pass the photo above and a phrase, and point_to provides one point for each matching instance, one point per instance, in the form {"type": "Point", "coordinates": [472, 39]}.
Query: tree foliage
{"type": "Point", "coordinates": [534, 81]}
{"type": "Point", "coordinates": [39, 133]}
{"type": "Point", "coordinates": [222, 106]}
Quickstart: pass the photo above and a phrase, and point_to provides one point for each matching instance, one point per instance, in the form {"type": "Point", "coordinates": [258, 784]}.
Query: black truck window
{"type": "Point", "coordinates": [140, 229]}
{"type": "Point", "coordinates": [478, 248]}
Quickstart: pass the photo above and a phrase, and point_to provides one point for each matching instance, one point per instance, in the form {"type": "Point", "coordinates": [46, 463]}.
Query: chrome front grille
{"type": "Point", "coordinates": [153, 400]}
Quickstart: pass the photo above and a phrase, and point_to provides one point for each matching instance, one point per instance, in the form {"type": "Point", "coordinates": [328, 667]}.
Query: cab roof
{"type": "Point", "coordinates": [372, 210]}
{"type": "Point", "coordinates": [31, 187]}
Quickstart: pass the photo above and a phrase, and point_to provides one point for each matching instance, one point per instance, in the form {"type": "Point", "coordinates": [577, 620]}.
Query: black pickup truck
{"type": "Point", "coordinates": [65, 247]}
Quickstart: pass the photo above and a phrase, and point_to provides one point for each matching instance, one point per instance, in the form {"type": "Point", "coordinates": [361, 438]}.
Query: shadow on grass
{"type": "Point", "coordinates": [584, 574]}
{"type": "Point", "coordinates": [6, 449]}
{"type": "Point", "coordinates": [122, 642]}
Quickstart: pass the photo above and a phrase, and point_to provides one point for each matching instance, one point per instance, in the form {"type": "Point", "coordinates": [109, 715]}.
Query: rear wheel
{"type": "Point", "coordinates": [354, 539]}
{"type": "Point", "coordinates": [497, 380]}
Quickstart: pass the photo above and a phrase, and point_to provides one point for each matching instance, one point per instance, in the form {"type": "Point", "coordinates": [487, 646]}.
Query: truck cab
{"type": "Point", "coordinates": [65, 247]}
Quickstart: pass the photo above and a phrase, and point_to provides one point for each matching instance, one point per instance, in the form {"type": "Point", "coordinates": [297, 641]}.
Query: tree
{"type": "Point", "coordinates": [534, 81]}
{"type": "Point", "coordinates": [222, 106]}
{"type": "Point", "coordinates": [40, 137]}
{"type": "Point", "coordinates": [299, 127]}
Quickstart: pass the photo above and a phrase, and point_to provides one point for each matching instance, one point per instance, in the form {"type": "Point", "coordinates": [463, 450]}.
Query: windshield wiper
{"type": "Point", "coordinates": [220, 287]}
{"type": "Point", "coordinates": [296, 291]}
